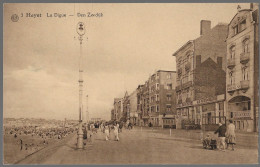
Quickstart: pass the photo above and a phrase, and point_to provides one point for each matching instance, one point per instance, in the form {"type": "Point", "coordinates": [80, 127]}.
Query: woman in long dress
{"type": "Point", "coordinates": [230, 135]}
{"type": "Point", "coordinates": [116, 131]}
{"type": "Point", "coordinates": [107, 131]}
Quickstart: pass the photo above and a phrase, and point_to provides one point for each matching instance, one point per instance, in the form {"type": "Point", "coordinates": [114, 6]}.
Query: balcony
{"type": "Point", "coordinates": [188, 99]}
{"type": "Point", "coordinates": [179, 71]}
{"type": "Point", "coordinates": [231, 88]}
{"type": "Point", "coordinates": [187, 84]}
{"type": "Point", "coordinates": [244, 84]}
{"type": "Point", "coordinates": [244, 57]}
{"type": "Point", "coordinates": [242, 114]}
{"type": "Point", "coordinates": [231, 63]}
{"type": "Point", "coordinates": [178, 88]}
{"type": "Point", "coordinates": [187, 66]}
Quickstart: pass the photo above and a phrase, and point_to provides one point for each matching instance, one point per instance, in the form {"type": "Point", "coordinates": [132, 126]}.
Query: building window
{"type": "Point", "coordinates": [231, 77]}
{"type": "Point", "coordinates": [157, 108]}
{"type": "Point", "coordinates": [245, 46]}
{"type": "Point", "coordinates": [157, 98]}
{"type": "Point", "coordinates": [157, 86]}
{"type": "Point", "coordinates": [169, 86]}
{"type": "Point", "coordinates": [169, 76]}
{"type": "Point", "coordinates": [245, 73]}
{"type": "Point", "coordinates": [243, 25]}
{"type": "Point", "coordinates": [235, 29]}
{"type": "Point", "coordinates": [178, 95]}
{"type": "Point", "coordinates": [188, 76]}
{"type": "Point", "coordinates": [169, 97]}
{"type": "Point", "coordinates": [168, 107]}
{"type": "Point", "coordinates": [157, 75]}
{"type": "Point", "coordinates": [152, 109]}
{"type": "Point", "coordinates": [232, 52]}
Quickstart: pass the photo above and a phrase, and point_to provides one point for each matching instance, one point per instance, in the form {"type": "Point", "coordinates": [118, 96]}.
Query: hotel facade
{"type": "Point", "coordinates": [200, 90]}
{"type": "Point", "coordinates": [243, 69]}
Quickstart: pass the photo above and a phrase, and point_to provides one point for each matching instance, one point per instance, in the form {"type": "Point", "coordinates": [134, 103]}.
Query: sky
{"type": "Point", "coordinates": [120, 50]}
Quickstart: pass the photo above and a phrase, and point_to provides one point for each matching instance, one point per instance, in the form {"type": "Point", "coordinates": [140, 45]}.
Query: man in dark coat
{"type": "Point", "coordinates": [221, 135]}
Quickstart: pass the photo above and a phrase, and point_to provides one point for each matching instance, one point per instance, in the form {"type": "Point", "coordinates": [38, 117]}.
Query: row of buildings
{"type": "Point", "coordinates": [216, 79]}
{"type": "Point", "coordinates": [151, 101]}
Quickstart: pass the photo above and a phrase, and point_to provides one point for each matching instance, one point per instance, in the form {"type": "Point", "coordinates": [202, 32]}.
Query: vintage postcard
{"type": "Point", "coordinates": [130, 83]}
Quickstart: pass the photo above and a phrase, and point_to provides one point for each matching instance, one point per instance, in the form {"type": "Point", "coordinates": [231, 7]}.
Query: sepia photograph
{"type": "Point", "coordinates": [130, 83]}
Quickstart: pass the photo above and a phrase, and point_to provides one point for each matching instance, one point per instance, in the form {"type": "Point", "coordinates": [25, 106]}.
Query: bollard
{"type": "Point", "coordinates": [170, 131]}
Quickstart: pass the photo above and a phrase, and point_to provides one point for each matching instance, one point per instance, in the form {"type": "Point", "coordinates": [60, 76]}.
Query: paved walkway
{"type": "Point", "coordinates": [141, 147]}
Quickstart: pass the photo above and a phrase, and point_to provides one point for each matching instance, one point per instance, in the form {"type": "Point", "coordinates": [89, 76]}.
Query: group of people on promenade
{"type": "Point", "coordinates": [226, 135]}
{"type": "Point", "coordinates": [106, 128]}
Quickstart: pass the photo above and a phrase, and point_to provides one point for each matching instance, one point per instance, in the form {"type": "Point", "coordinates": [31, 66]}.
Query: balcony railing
{"type": "Point", "coordinates": [244, 57]}
{"type": "Point", "coordinates": [188, 99]}
{"type": "Point", "coordinates": [178, 88]}
{"type": "Point", "coordinates": [187, 84]}
{"type": "Point", "coordinates": [231, 63]}
{"type": "Point", "coordinates": [231, 88]}
{"type": "Point", "coordinates": [187, 66]}
{"type": "Point", "coordinates": [242, 114]}
{"type": "Point", "coordinates": [244, 84]}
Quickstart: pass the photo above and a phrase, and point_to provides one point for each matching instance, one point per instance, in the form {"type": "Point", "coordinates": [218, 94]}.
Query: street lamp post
{"type": "Point", "coordinates": [81, 31]}
{"type": "Point", "coordinates": [87, 114]}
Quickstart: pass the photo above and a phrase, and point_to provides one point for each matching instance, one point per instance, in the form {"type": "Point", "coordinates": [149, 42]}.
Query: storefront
{"type": "Point", "coordinates": [134, 118]}
{"type": "Point", "coordinates": [145, 121]}
{"type": "Point", "coordinates": [185, 115]}
{"type": "Point", "coordinates": [154, 120]}
{"type": "Point", "coordinates": [168, 121]}
{"type": "Point", "coordinates": [209, 112]}
{"type": "Point", "coordinates": [240, 111]}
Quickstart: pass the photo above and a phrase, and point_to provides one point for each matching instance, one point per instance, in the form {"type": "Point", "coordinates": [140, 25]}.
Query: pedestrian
{"type": "Point", "coordinates": [116, 132]}
{"type": "Point", "coordinates": [101, 127]}
{"type": "Point", "coordinates": [21, 142]}
{"type": "Point", "coordinates": [121, 127]}
{"type": "Point", "coordinates": [230, 135]}
{"type": "Point", "coordinates": [130, 125]}
{"type": "Point", "coordinates": [221, 135]}
{"type": "Point", "coordinates": [107, 131]}
{"type": "Point", "coordinates": [85, 133]}
{"type": "Point", "coordinates": [117, 124]}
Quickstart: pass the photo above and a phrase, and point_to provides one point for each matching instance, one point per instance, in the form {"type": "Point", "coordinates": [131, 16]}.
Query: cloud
{"type": "Point", "coordinates": [32, 92]}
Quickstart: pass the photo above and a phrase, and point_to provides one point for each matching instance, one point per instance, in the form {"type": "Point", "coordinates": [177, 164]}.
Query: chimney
{"type": "Point", "coordinates": [205, 26]}
{"type": "Point", "coordinates": [219, 62]}
{"type": "Point", "coordinates": [251, 6]}
{"type": "Point", "coordinates": [254, 6]}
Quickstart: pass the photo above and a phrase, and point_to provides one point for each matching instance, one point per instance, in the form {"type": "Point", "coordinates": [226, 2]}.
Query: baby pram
{"type": "Point", "coordinates": [209, 143]}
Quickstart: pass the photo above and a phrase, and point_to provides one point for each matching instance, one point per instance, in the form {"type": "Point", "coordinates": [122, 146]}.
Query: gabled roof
{"type": "Point", "coordinates": [165, 71]}
{"type": "Point", "coordinates": [238, 13]}
{"type": "Point", "coordinates": [186, 44]}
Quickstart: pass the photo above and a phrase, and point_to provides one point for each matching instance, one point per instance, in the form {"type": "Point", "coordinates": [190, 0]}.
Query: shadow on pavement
{"type": "Point", "coordinates": [172, 139]}
{"type": "Point", "coordinates": [196, 147]}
